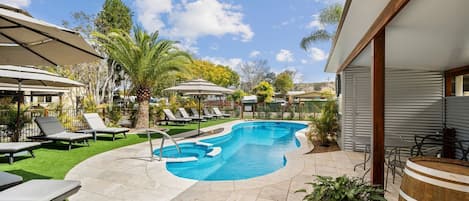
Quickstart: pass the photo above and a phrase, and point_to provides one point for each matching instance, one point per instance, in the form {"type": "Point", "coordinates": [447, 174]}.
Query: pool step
{"type": "Point", "coordinates": [180, 160]}
{"type": "Point", "coordinates": [215, 151]}
{"type": "Point", "coordinates": [203, 144]}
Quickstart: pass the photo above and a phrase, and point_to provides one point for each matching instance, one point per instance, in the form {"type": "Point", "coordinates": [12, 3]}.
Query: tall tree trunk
{"type": "Point", "coordinates": [143, 116]}
{"type": "Point", "coordinates": [143, 99]}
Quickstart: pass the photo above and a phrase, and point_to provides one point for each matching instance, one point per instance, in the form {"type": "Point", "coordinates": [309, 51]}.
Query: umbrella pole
{"type": "Point", "coordinates": [200, 116]}
{"type": "Point", "coordinates": [17, 132]}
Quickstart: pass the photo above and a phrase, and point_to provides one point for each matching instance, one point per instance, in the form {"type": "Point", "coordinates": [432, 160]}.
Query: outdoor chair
{"type": "Point", "coordinates": [219, 113]}
{"type": "Point", "coordinates": [185, 115]}
{"type": "Point", "coordinates": [171, 118]}
{"type": "Point", "coordinates": [196, 113]}
{"type": "Point", "coordinates": [51, 129]}
{"type": "Point", "coordinates": [207, 112]}
{"type": "Point", "coordinates": [8, 180]}
{"type": "Point", "coordinates": [11, 148]}
{"type": "Point", "coordinates": [12, 189]}
{"type": "Point", "coordinates": [97, 126]}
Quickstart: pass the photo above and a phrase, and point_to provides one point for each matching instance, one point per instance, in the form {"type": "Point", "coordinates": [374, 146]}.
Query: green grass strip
{"type": "Point", "coordinates": [53, 161]}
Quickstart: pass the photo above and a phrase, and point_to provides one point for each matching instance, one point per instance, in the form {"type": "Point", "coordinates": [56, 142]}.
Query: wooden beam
{"type": "Point", "coordinates": [457, 71]}
{"type": "Point", "coordinates": [388, 13]}
{"type": "Point", "coordinates": [450, 74]}
{"type": "Point", "coordinates": [378, 81]}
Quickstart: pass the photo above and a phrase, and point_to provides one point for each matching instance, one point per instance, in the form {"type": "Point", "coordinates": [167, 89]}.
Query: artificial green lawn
{"type": "Point", "coordinates": [53, 161]}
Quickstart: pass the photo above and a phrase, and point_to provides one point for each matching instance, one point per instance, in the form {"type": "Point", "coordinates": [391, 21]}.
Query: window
{"type": "Point", "coordinates": [457, 81]}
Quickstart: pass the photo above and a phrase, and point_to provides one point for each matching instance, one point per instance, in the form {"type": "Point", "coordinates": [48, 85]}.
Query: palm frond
{"type": "Point", "coordinates": [143, 56]}
{"type": "Point", "coordinates": [314, 37]}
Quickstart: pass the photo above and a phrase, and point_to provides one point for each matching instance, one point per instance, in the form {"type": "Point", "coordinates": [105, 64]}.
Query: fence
{"type": "Point", "coordinates": [295, 111]}
{"type": "Point", "coordinates": [72, 119]}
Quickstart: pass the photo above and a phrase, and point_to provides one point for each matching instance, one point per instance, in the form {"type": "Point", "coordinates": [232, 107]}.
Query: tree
{"type": "Point", "coordinates": [145, 59]}
{"type": "Point", "coordinates": [218, 74]}
{"type": "Point", "coordinates": [270, 77]}
{"type": "Point", "coordinates": [238, 95]}
{"type": "Point", "coordinates": [114, 15]}
{"type": "Point", "coordinates": [328, 16]}
{"type": "Point", "coordinates": [284, 82]}
{"type": "Point", "coordinates": [264, 92]}
{"type": "Point", "coordinates": [96, 75]}
{"type": "Point", "coordinates": [252, 72]}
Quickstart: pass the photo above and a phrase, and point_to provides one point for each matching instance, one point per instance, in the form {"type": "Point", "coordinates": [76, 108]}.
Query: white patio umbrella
{"type": "Point", "coordinates": [25, 40]}
{"type": "Point", "coordinates": [32, 77]}
{"type": "Point", "coordinates": [198, 88]}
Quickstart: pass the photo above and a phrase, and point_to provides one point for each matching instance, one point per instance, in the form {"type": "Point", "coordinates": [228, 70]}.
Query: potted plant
{"type": "Point", "coordinates": [342, 188]}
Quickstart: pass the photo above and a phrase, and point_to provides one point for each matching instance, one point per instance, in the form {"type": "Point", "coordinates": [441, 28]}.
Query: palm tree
{"type": "Point", "coordinates": [328, 16]}
{"type": "Point", "coordinates": [144, 59]}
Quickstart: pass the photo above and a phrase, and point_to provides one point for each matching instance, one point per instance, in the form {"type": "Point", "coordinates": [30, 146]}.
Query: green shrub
{"type": "Point", "coordinates": [9, 116]}
{"type": "Point", "coordinates": [89, 105]}
{"type": "Point", "coordinates": [342, 188]}
{"type": "Point", "coordinates": [326, 123]}
{"type": "Point", "coordinates": [114, 115]}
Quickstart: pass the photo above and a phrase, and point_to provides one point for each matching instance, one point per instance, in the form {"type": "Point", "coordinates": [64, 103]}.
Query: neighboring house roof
{"type": "Point", "coordinates": [249, 99]}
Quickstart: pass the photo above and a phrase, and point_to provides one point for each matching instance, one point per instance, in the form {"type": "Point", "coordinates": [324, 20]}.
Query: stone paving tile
{"type": "Point", "coordinates": [128, 174]}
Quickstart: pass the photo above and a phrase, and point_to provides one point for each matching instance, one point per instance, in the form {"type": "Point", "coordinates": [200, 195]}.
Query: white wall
{"type": "Point", "coordinates": [413, 104]}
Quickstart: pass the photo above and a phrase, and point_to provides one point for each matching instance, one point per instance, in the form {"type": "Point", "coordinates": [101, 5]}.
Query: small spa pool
{"type": "Point", "coordinates": [251, 149]}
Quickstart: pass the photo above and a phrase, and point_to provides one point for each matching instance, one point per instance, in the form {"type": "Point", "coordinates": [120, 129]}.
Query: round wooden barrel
{"type": "Point", "coordinates": [435, 179]}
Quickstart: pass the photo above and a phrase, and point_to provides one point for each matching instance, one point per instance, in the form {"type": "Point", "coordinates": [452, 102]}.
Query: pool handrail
{"type": "Point", "coordinates": [165, 135]}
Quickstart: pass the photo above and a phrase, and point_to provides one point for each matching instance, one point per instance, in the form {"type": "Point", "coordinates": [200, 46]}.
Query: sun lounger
{"type": "Point", "coordinates": [185, 115]}
{"type": "Point", "coordinates": [97, 126]}
{"type": "Point", "coordinates": [14, 147]}
{"type": "Point", "coordinates": [218, 112]}
{"type": "Point", "coordinates": [170, 117]}
{"type": "Point", "coordinates": [41, 190]}
{"type": "Point", "coordinates": [196, 113]}
{"type": "Point", "coordinates": [207, 112]}
{"type": "Point", "coordinates": [8, 180]}
{"type": "Point", "coordinates": [51, 129]}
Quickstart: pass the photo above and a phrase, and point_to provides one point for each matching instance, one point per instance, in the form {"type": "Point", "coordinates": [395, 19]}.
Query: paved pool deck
{"type": "Point", "coordinates": [128, 174]}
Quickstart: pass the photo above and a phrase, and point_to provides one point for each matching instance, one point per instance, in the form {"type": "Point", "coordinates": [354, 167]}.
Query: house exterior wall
{"type": "Point", "coordinates": [457, 116]}
{"type": "Point", "coordinates": [413, 104]}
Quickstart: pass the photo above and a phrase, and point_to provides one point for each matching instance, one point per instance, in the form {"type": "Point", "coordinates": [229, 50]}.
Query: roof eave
{"type": "Point", "coordinates": [339, 29]}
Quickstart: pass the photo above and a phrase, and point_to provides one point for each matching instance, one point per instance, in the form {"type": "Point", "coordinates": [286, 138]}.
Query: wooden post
{"type": "Point", "coordinates": [378, 82]}
{"type": "Point", "coordinates": [46, 112]}
{"type": "Point", "coordinates": [242, 110]}
{"type": "Point", "coordinates": [448, 84]}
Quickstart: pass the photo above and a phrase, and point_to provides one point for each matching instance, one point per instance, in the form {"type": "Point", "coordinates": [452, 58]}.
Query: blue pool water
{"type": "Point", "coordinates": [252, 149]}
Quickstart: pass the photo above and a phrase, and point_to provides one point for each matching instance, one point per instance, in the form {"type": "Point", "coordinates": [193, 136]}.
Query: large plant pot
{"type": "Point", "coordinates": [435, 179]}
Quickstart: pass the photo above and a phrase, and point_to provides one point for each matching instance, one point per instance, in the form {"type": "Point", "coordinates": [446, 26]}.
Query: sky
{"type": "Point", "coordinates": [227, 32]}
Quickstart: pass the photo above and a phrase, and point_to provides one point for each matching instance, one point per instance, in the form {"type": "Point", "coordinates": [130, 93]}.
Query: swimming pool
{"type": "Point", "coordinates": [251, 149]}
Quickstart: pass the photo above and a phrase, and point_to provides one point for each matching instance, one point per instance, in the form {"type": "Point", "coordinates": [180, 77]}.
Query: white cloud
{"type": "Point", "coordinates": [233, 63]}
{"type": "Point", "coordinates": [149, 13]}
{"type": "Point", "coordinates": [254, 53]}
{"type": "Point", "coordinates": [317, 54]}
{"type": "Point", "coordinates": [304, 61]}
{"type": "Point", "coordinates": [315, 23]}
{"type": "Point", "coordinates": [188, 46]}
{"type": "Point", "coordinates": [17, 3]}
{"type": "Point", "coordinates": [189, 20]}
{"type": "Point", "coordinates": [208, 17]}
{"type": "Point", "coordinates": [284, 56]}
